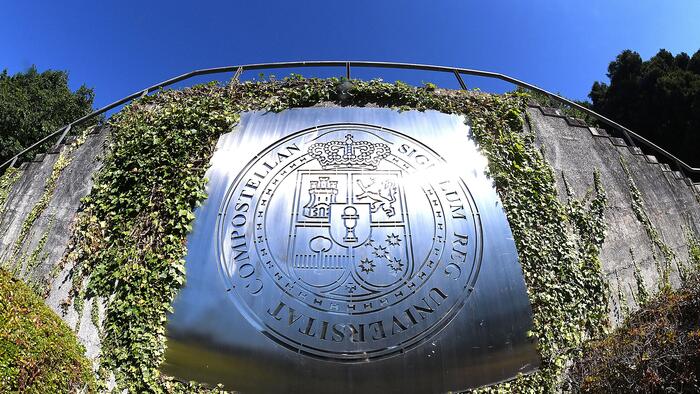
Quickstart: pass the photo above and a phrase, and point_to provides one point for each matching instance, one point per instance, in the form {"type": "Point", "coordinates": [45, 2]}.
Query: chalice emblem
{"type": "Point", "coordinates": [350, 217]}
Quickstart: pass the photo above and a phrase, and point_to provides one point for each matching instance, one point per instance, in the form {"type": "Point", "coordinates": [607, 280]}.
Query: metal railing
{"type": "Point", "coordinates": [629, 136]}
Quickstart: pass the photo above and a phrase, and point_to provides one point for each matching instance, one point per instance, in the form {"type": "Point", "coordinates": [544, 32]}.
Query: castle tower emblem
{"type": "Point", "coordinates": [322, 193]}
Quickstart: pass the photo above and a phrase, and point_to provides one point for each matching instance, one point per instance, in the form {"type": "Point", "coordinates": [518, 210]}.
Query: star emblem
{"type": "Point", "coordinates": [366, 265]}
{"type": "Point", "coordinates": [380, 251]}
{"type": "Point", "coordinates": [396, 265]}
{"type": "Point", "coordinates": [393, 239]}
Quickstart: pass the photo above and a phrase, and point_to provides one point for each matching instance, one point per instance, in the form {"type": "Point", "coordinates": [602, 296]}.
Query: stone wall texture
{"type": "Point", "coordinates": [55, 224]}
{"type": "Point", "coordinates": [672, 202]}
{"type": "Point", "coordinates": [573, 149]}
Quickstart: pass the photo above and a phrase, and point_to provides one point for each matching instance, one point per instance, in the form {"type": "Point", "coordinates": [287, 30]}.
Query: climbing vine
{"type": "Point", "coordinates": [622, 307]}
{"type": "Point", "coordinates": [642, 296]}
{"type": "Point", "coordinates": [129, 244]}
{"type": "Point", "coordinates": [656, 347]}
{"type": "Point", "coordinates": [130, 236]}
{"type": "Point", "coordinates": [669, 257]}
{"type": "Point", "coordinates": [693, 251]}
{"type": "Point", "coordinates": [558, 245]}
{"type": "Point", "coordinates": [15, 260]}
{"type": "Point", "coordinates": [32, 259]}
{"type": "Point", "coordinates": [7, 179]}
{"type": "Point", "coordinates": [60, 164]}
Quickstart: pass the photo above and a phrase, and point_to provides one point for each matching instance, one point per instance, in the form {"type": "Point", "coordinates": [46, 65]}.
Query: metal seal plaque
{"type": "Point", "coordinates": [364, 252]}
{"type": "Point", "coordinates": [339, 245]}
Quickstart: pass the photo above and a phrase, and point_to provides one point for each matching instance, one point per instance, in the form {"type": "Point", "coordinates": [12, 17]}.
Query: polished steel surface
{"type": "Point", "coordinates": [350, 250]}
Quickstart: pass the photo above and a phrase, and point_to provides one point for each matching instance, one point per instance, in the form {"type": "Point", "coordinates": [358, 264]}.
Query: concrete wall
{"type": "Point", "coordinates": [572, 148]}
{"type": "Point", "coordinates": [575, 150]}
{"type": "Point", "coordinates": [55, 223]}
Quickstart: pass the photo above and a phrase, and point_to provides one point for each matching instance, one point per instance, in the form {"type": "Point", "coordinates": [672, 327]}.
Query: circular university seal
{"type": "Point", "coordinates": [349, 242]}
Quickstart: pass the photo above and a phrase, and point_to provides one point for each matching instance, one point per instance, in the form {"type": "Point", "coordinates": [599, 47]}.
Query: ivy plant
{"type": "Point", "coordinates": [7, 180]}
{"type": "Point", "coordinates": [129, 244]}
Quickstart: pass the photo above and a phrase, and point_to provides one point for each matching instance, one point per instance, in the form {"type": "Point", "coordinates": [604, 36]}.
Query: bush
{"type": "Point", "coordinates": [656, 350]}
{"type": "Point", "coordinates": [38, 352]}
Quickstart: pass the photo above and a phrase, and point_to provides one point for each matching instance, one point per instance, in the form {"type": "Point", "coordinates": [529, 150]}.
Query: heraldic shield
{"type": "Point", "coordinates": [364, 245]}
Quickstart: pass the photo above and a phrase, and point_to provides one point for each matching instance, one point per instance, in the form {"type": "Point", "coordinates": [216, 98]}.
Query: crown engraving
{"type": "Point", "coordinates": [349, 153]}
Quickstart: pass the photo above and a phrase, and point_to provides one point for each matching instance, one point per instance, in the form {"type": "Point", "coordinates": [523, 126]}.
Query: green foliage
{"type": "Point", "coordinates": [658, 98]}
{"type": "Point", "coordinates": [49, 188]}
{"type": "Point", "coordinates": [623, 308]}
{"type": "Point", "coordinates": [693, 251]}
{"type": "Point", "coordinates": [15, 260]}
{"type": "Point", "coordinates": [38, 353]}
{"type": "Point", "coordinates": [132, 231]}
{"type": "Point", "coordinates": [429, 86]}
{"type": "Point", "coordinates": [34, 104]}
{"type": "Point", "coordinates": [558, 245]}
{"type": "Point", "coordinates": [544, 100]}
{"type": "Point", "coordinates": [669, 257]}
{"type": "Point", "coordinates": [656, 350]}
{"type": "Point", "coordinates": [130, 240]}
{"type": "Point", "coordinates": [642, 296]}
{"type": "Point", "coordinates": [7, 180]}
{"type": "Point", "coordinates": [38, 255]}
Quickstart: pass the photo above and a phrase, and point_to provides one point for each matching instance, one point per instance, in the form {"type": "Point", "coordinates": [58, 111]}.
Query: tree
{"type": "Point", "coordinates": [34, 104]}
{"type": "Point", "coordinates": [658, 98]}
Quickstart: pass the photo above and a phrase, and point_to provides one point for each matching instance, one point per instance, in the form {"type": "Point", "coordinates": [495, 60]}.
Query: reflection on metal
{"type": "Point", "coordinates": [359, 249]}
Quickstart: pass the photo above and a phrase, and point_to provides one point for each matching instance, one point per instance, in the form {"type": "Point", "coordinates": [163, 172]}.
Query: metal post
{"type": "Point", "coordinates": [12, 163]}
{"type": "Point", "coordinates": [237, 75]}
{"type": "Point", "coordinates": [347, 70]}
{"type": "Point", "coordinates": [627, 137]}
{"type": "Point", "coordinates": [63, 135]}
{"type": "Point", "coordinates": [460, 80]}
{"type": "Point", "coordinates": [680, 167]}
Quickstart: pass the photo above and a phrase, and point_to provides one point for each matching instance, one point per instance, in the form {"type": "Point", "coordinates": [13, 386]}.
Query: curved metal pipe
{"type": "Point", "coordinates": [629, 135]}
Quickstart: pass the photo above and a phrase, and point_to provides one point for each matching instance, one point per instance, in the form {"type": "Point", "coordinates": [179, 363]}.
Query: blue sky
{"type": "Point", "coordinates": [121, 47]}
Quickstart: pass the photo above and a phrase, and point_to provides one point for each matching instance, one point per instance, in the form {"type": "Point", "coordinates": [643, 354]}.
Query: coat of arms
{"type": "Point", "coordinates": [348, 242]}
{"type": "Point", "coordinates": [350, 233]}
